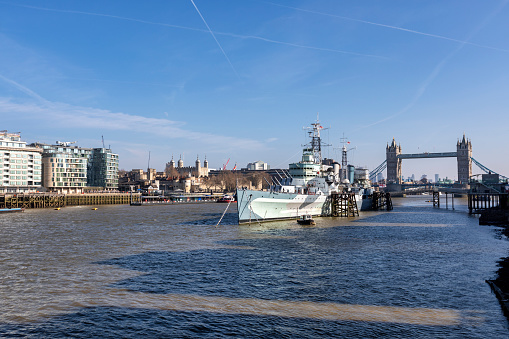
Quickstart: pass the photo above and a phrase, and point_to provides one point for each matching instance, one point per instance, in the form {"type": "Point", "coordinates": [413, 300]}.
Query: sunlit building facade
{"type": "Point", "coordinates": [64, 167]}
{"type": "Point", "coordinates": [20, 165]}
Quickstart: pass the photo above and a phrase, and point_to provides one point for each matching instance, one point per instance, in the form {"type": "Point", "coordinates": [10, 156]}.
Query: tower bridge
{"type": "Point", "coordinates": [463, 154]}
{"type": "Point", "coordinates": [394, 158]}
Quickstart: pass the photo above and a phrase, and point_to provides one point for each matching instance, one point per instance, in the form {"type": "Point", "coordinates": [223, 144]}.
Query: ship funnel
{"type": "Point", "coordinates": [336, 169]}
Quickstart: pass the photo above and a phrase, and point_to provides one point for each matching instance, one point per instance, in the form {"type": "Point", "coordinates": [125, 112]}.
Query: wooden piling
{"type": "Point", "coordinates": [479, 202]}
{"type": "Point", "coordinates": [436, 199]}
{"type": "Point", "coordinates": [381, 200]}
{"type": "Point", "coordinates": [343, 205]}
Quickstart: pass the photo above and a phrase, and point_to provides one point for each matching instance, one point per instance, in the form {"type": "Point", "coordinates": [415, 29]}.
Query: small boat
{"type": "Point", "coordinates": [227, 198]}
{"type": "Point", "coordinates": [306, 220]}
{"type": "Point", "coordinates": [10, 210]}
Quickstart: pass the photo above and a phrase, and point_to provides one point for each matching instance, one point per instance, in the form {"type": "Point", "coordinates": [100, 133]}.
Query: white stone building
{"type": "Point", "coordinates": [258, 166]}
{"type": "Point", "coordinates": [20, 165]}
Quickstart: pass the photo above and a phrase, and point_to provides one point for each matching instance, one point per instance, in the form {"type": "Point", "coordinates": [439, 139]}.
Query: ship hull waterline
{"type": "Point", "coordinates": [258, 206]}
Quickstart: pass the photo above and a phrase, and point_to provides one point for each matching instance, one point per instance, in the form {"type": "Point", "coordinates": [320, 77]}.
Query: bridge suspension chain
{"type": "Point", "coordinates": [376, 171]}
{"type": "Point", "coordinates": [486, 169]}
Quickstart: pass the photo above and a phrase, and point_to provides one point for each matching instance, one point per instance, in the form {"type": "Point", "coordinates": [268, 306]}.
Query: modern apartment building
{"type": "Point", "coordinates": [64, 167]}
{"type": "Point", "coordinates": [70, 169]}
{"type": "Point", "coordinates": [103, 169]}
{"type": "Point", "coordinates": [20, 165]}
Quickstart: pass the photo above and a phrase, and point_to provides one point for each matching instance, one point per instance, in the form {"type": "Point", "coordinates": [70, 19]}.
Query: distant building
{"type": "Point", "coordinates": [197, 171]}
{"type": "Point", "coordinates": [64, 167]}
{"type": "Point", "coordinates": [393, 162]}
{"type": "Point", "coordinates": [20, 165]}
{"type": "Point", "coordinates": [103, 169]}
{"type": "Point", "coordinates": [137, 179]}
{"type": "Point", "coordinates": [69, 169]}
{"type": "Point", "coordinates": [328, 162]}
{"type": "Point", "coordinates": [464, 157]}
{"type": "Point", "coordinates": [258, 166]}
{"type": "Point", "coordinates": [137, 175]}
{"type": "Point", "coordinates": [437, 178]}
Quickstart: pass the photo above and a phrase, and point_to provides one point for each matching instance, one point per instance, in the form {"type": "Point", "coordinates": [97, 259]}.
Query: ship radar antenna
{"type": "Point", "coordinates": [344, 158]}
{"type": "Point", "coordinates": [315, 143]}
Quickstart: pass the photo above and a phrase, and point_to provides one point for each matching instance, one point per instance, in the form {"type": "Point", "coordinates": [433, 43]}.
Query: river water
{"type": "Point", "coordinates": [169, 272]}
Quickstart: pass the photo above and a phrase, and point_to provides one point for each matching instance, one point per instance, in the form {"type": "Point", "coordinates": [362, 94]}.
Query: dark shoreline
{"type": "Point", "coordinates": [500, 285]}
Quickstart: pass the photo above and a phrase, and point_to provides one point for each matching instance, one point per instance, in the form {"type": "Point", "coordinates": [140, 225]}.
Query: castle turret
{"type": "Point", "coordinates": [198, 164]}
{"type": "Point", "coordinates": [172, 162]}
{"type": "Point", "coordinates": [393, 162]}
{"type": "Point", "coordinates": [198, 167]}
{"type": "Point", "coordinates": [180, 163]}
{"type": "Point", "coordinates": [206, 163]}
{"type": "Point", "coordinates": [464, 157]}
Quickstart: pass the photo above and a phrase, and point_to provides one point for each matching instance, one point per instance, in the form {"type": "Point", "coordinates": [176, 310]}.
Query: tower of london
{"type": "Point", "coordinates": [197, 170]}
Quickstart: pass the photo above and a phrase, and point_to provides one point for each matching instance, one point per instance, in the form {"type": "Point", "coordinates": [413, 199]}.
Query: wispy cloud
{"type": "Point", "coordinates": [438, 68]}
{"type": "Point", "coordinates": [61, 115]}
{"type": "Point", "coordinates": [209, 31]}
{"type": "Point", "coordinates": [120, 81]}
{"type": "Point", "coordinates": [69, 11]}
{"type": "Point", "coordinates": [393, 27]}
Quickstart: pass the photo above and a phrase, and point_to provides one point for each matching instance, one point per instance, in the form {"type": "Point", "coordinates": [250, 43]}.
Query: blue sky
{"type": "Point", "coordinates": [240, 79]}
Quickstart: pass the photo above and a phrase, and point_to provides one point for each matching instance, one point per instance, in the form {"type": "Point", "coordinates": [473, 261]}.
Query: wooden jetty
{"type": "Point", "coordinates": [493, 208]}
{"type": "Point", "coordinates": [343, 205]}
{"type": "Point", "coordinates": [381, 200]}
{"type": "Point", "coordinates": [479, 202]}
{"type": "Point", "coordinates": [54, 200]}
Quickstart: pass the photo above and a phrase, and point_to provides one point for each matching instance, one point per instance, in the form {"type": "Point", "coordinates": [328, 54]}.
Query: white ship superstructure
{"type": "Point", "coordinates": [304, 192]}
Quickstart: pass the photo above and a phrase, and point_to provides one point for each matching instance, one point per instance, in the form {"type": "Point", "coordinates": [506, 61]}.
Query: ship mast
{"type": "Point", "coordinates": [316, 142]}
{"type": "Point", "coordinates": [344, 160]}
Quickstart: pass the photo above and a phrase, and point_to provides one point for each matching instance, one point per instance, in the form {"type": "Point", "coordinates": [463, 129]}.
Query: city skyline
{"type": "Point", "coordinates": [239, 80]}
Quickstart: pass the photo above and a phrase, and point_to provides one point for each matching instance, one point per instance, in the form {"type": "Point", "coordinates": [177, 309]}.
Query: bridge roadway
{"type": "Point", "coordinates": [428, 155]}
{"type": "Point", "coordinates": [396, 189]}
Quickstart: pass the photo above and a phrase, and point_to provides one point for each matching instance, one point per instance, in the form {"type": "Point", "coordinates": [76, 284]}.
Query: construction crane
{"type": "Point", "coordinates": [224, 167]}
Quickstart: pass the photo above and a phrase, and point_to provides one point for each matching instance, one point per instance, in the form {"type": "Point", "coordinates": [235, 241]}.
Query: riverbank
{"type": "Point", "coordinates": [54, 200]}
{"type": "Point", "coordinates": [500, 285]}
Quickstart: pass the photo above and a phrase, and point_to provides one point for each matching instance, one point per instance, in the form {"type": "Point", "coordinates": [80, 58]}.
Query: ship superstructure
{"type": "Point", "coordinates": [303, 193]}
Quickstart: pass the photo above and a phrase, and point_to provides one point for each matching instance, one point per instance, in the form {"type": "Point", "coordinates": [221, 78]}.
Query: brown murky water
{"type": "Point", "coordinates": [122, 271]}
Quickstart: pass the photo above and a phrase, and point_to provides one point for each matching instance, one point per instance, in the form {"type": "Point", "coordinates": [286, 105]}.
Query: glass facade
{"type": "Point", "coordinates": [103, 169]}
{"type": "Point", "coordinates": [61, 167]}
{"type": "Point", "coordinates": [65, 167]}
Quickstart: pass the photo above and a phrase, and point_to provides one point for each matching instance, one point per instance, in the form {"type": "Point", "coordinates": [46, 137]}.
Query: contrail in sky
{"type": "Point", "coordinates": [193, 29]}
{"type": "Point", "coordinates": [212, 33]}
{"type": "Point", "coordinates": [103, 15]}
{"type": "Point", "coordinates": [23, 89]}
{"type": "Point", "coordinates": [436, 71]}
{"type": "Point", "coordinates": [391, 27]}
{"type": "Point", "coordinates": [297, 45]}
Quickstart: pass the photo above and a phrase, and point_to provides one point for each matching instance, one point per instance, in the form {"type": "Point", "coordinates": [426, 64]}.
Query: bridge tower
{"type": "Point", "coordinates": [464, 156]}
{"type": "Point", "coordinates": [393, 162]}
